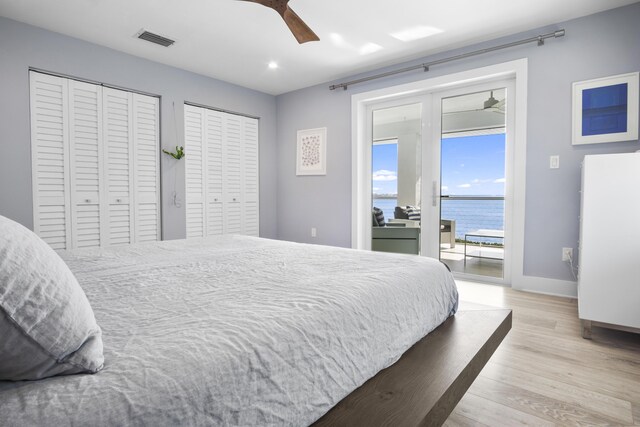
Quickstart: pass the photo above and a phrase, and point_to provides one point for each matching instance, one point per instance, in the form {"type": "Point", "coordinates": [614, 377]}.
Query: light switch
{"type": "Point", "coordinates": [554, 162]}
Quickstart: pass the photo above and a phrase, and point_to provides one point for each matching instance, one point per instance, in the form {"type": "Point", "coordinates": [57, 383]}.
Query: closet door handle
{"type": "Point", "coordinates": [87, 200]}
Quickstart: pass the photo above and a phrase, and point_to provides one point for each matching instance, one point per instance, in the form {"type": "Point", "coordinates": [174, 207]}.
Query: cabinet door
{"type": "Point", "coordinates": [232, 158]}
{"type": "Point", "coordinates": [118, 165]}
{"type": "Point", "coordinates": [49, 158]}
{"type": "Point", "coordinates": [85, 149]}
{"type": "Point", "coordinates": [250, 178]}
{"type": "Point", "coordinates": [146, 168]}
{"type": "Point", "coordinates": [609, 279]}
{"type": "Point", "coordinates": [213, 171]}
{"type": "Point", "coordinates": [194, 118]}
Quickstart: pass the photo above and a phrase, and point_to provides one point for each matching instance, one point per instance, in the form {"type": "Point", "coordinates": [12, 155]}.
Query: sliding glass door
{"type": "Point", "coordinates": [441, 164]}
{"type": "Point", "coordinates": [474, 139]}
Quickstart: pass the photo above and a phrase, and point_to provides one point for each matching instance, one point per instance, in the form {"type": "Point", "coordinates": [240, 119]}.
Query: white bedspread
{"type": "Point", "coordinates": [235, 331]}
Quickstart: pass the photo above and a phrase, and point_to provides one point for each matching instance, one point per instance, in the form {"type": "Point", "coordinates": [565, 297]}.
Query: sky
{"type": "Point", "coordinates": [385, 168]}
{"type": "Point", "coordinates": [472, 165]}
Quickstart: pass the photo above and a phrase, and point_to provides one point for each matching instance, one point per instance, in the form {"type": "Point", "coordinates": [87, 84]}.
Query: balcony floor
{"type": "Point", "coordinates": [455, 259]}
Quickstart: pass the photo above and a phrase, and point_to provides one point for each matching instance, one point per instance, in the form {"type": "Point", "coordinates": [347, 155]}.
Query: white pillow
{"type": "Point", "coordinates": [47, 326]}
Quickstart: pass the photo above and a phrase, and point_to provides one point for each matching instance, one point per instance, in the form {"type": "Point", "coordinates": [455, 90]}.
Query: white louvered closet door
{"type": "Point", "coordinates": [146, 169]}
{"type": "Point", "coordinates": [221, 173]}
{"type": "Point", "coordinates": [194, 119]}
{"type": "Point", "coordinates": [49, 148]}
{"type": "Point", "coordinates": [118, 165]}
{"type": "Point", "coordinates": [250, 178]}
{"type": "Point", "coordinates": [214, 139]}
{"type": "Point", "coordinates": [232, 174]}
{"type": "Point", "coordinates": [85, 125]}
{"type": "Point", "coordinates": [95, 164]}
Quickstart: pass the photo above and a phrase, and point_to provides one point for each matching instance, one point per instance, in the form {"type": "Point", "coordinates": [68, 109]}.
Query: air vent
{"type": "Point", "coordinates": [155, 38]}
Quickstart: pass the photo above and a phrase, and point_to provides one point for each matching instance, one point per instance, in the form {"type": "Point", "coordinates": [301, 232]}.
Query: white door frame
{"type": "Point", "coordinates": [361, 151]}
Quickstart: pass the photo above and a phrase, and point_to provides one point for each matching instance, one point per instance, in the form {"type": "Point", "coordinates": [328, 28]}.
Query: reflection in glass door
{"type": "Point", "coordinates": [396, 174]}
{"type": "Point", "coordinates": [472, 209]}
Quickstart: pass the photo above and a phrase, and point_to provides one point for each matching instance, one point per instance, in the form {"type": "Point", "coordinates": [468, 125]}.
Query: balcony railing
{"type": "Point", "coordinates": [473, 213]}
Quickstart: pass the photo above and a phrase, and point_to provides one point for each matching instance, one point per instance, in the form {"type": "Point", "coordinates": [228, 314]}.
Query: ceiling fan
{"type": "Point", "coordinates": [300, 30]}
{"type": "Point", "coordinates": [494, 105]}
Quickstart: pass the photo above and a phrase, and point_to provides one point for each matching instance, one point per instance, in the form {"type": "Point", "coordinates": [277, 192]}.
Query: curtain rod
{"type": "Point", "coordinates": [426, 65]}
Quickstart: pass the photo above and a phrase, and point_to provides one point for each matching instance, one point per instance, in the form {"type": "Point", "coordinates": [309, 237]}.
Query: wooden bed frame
{"type": "Point", "coordinates": [428, 381]}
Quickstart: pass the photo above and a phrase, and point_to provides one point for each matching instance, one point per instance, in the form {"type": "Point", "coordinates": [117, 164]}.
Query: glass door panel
{"type": "Point", "coordinates": [472, 205]}
{"type": "Point", "coordinates": [396, 176]}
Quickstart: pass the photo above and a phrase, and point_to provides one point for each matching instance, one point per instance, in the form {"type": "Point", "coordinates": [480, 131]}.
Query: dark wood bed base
{"type": "Point", "coordinates": [428, 381]}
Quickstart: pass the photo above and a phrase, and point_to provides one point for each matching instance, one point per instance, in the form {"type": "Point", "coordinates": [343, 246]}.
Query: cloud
{"type": "Point", "coordinates": [444, 188]}
{"type": "Point", "coordinates": [384, 175]}
{"type": "Point", "coordinates": [464, 186]}
{"type": "Point", "coordinates": [499, 180]}
{"type": "Point", "coordinates": [376, 188]}
{"type": "Point", "coordinates": [481, 181]}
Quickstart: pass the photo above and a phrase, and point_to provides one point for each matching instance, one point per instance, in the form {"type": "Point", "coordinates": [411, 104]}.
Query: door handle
{"type": "Point", "coordinates": [434, 196]}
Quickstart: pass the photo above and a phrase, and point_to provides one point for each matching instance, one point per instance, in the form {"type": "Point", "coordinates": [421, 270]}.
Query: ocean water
{"type": "Point", "coordinates": [469, 214]}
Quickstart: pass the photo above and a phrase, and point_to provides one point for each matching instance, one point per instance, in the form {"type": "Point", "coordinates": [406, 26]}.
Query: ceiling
{"type": "Point", "coordinates": [470, 101]}
{"type": "Point", "coordinates": [236, 40]}
{"type": "Point", "coordinates": [463, 103]}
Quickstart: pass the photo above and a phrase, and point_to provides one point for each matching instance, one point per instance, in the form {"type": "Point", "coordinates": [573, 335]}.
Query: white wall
{"type": "Point", "coordinates": [23, 46]}
{"type": "Point", "coordinates": [594, 46]}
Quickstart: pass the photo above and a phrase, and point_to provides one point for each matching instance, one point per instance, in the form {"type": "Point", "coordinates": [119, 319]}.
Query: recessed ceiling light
{"type": "Point", "coordinates": [337, 39]}
{"type": "Point", "coordinates": [273, 65]}
{"type": "Point", "coordinates": [369, 48]}
{"type": "Point", "coordinates": [415, 33]}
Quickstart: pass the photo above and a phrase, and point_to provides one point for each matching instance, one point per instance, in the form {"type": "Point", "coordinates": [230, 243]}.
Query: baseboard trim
{"type": "Point", "coordinates": [543, 285]}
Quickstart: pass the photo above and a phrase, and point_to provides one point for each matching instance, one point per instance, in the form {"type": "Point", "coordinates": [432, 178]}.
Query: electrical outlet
{"type": "Point", "coordinates": [567, 254]}
{"type": "Point", "coordinates": [313, 232]}
{"type": "Point", "coordinates": [554, 162]}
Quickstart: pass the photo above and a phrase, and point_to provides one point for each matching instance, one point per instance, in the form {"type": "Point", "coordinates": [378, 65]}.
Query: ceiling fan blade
{"type": "Point", "coordinates": [500, 105]}
{"type": "Point", "coordinates": [300, 30]}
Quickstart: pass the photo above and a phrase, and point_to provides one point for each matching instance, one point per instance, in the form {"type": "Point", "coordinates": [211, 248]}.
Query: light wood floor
{"type": "Point", "coordinates": [544, 373]}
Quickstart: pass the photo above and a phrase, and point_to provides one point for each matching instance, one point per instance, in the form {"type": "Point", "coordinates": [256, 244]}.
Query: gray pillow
{"type": "Point", "coordinates": [378, 216]}
{"type": "Point", "coordinates": [46, 323]}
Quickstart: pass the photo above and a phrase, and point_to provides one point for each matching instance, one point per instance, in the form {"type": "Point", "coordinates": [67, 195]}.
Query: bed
{"type": "Point", "coordinates": [236, 330]}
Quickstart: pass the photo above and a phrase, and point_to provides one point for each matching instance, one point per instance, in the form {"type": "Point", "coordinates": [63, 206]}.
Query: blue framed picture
{"type": "Point", "coordinates": [606, 109]}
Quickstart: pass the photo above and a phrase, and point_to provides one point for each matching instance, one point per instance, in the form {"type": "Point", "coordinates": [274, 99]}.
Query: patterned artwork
{"type": "Point", "coordinates": [311, 152]}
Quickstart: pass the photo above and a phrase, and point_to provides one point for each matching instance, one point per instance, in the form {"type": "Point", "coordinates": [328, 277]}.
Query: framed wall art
{"type": "Point", "coordinates": [312, 152]}
{"type": "Point", "coordinates": [605, 110]}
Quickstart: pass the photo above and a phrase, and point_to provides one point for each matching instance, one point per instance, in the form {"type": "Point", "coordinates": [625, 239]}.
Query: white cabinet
{"type": "Point", "coordinates": [94, 162]}
{"type": "Point", "coordinates": [609, 266]}
{"type": "Point", "coordinates": [221, 173]}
